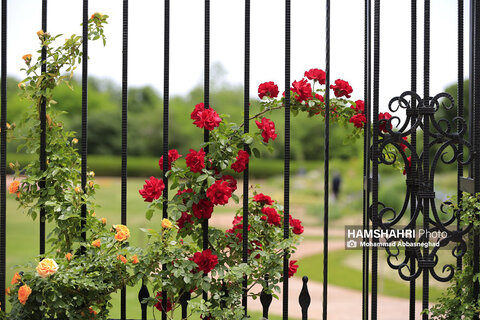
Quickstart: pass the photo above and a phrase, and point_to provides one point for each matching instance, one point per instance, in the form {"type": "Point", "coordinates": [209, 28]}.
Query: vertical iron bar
{"type": "Point", "coordinates": [206, 104]}
{"type": "Point", "coordinates": [43, 132]}
{"type": "Point", "coordinates": [470, 82]}
{"type": "Point", "coordinates": [426, 149]}
{"type": "Point", "coordinates": [376, 82]}
{"type": "Point", "coordinates": [166, 105]}
{"type": "Point", "coordinates": [413, 196]}
{"type": "Point", "coordinates": [84, 114]}
{"type": "Point", "coordinates": [476, 138]}
{"type": "Point", "coordinates": [123, 295]}
{"type": "Point", "coordinates": [366, 157]}
{"type": "Point", "coordinates": [326, 162]}
{"type": "Point", "coordinates": [460, 112]}
{"type": "Point", "coordinates": [246, 129]}
{"type": "Point", "coordinates": [286, 176]}
{"type": "Point", "coordinates": [3, 155]}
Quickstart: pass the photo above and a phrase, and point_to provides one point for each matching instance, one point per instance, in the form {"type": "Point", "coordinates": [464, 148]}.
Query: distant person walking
{"type": "Point", "coordinates": [336, 183]}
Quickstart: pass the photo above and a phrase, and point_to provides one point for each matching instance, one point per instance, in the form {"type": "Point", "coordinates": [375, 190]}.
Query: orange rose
{"type": "Point", "coordinates": [166, 224]}
{"type": "Point", "coordinates": [21, 85]}
{"type": "Point", "coordinates": [27, 58]}
{"type": "Point", "coordinates": [91, 184]}
{"type": "Point", "coordinates": [135, 259]}
{"type": "Point", "coordinates": [13, 188]}
{"type": "Point", "coordinates": [7, 291]}
{"type": "Point", "coordinates": [96, 243]}
{"type": "Point", "coordinates": [77, 190]}
{"type": "Point", "coordinates": [23, 293]}
{"type": "Point", "coordinates": [94, 214]}
{"type": "Point", "coordinates": [16, 278]}
{"type": "Point", "coordinates": [122, 232]}
{"type": "Point", "coordinates": [92, 311]}
{"type": "Point", "coordinates": [122, 258]}
{"type": "Point", "coordinates": [68, 256]}
{"type": "Point", "coordinates": [46, 267]}
{"type": "Point", "coordinates": [104, 220]}
{"type": "Point", "coordinates": [40, 33]}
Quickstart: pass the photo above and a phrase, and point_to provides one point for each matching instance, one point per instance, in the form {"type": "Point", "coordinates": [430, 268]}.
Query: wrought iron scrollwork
{"type": "Point", "coordinates": [445, 137]}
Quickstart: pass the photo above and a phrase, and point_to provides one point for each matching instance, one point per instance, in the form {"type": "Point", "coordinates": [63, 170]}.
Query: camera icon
{"type": "Point", "coordinates": [351, 244]}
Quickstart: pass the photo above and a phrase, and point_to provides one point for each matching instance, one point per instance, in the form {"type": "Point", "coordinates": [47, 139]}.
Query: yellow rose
{"type": "Point", "coordinates": [74, 140]}
{"type": "Point", "coordinates": [166, 224]}
{"type": "Point", "coordinates": [46, 267]}
{"type": "Point", "coordinates": [23, 293]}
{"type": "Point", "coordinates": [40, 33]}
{"type": "Point", "coordinates": [122, 232]}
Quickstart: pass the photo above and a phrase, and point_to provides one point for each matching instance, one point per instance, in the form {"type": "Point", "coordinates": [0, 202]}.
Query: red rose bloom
{"type": "Point", "coordinates": [241, 161]}
{"type": "Point", "coordinates": [232, 183]}
{"type": "Point", "coordinates": [205, 260]}
{"type": "Point", "coordinates": [409, 163]}
{"type": "Point", "coordinates": [203, 209]}
{"type": "Point", "coordinates": [383, 124]}
{"type": "Point", "coordinates": [205, 118]}
{"type": "Point", "coordinates": [237, 228]}
{"type": "Point", "coordinates": [358, 120]}
{"type": "Point", "coordinates": [303, 90]}
{"type": "Point", "coordinates": [185, 218]}
{"type": "Point", "coordinates": [219, 192]}
{"type": "Point", "coordinates": [268, 129]}
{"type": "Point", "coordinates": [173, 155]}
{"type": "Point", "coordinates": [316, 75]}
{"type": "Point", "coordinates": [359, 106]}
{"type": "Point", "coordinates": [158, 305]}
{"type": "Point", "coordinates": [292, 268]}
{"type": "Point", "coordinates": [152, 189]}
{"type": "Point", "coordinates": [341, 88]}
{"type": "Point", "coordinates": [319, 97]}
{"type": "Point", "coordinates": [271, 216]}
{"type": "Point", "coordinates": [296, 225]}
{"type": "Point", "coordinates": [268, 89]}
{"type": "Point", "coordinates": [263, 199]}
{"type": "Point", "coordinates": [402, 145]}
{"type": "Point", "coordinates": [196, 160]}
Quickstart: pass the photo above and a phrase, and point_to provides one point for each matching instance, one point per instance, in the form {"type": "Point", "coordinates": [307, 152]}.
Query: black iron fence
{"type": "Point", "coordinates": [419, 115]}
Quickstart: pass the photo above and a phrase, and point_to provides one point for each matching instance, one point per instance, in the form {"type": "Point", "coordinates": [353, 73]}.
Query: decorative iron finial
{"type": "Point", "coordinates": [304, 298]}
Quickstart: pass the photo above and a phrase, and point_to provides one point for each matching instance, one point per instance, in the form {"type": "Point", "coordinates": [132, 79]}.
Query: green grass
{"type": "Point", "coordinates": [343, 275]}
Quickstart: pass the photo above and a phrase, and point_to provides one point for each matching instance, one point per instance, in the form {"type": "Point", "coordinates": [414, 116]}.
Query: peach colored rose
{"type": "Point", "coordinates": [46, 267]}
{"type": "Point", "coordinates": [122, 258]}
{"type": "Point", "coordinates": [16, 278]}
{"type": "Point", "coordinates": [96, 243]}
{"type": "Point", "coordinates": [23, 293]}
{"type": "Point", "coordinates": [13, 188]}
{"type": "Point", "coordinates": [104, 220]}
{"type": "Point", "coordinates": [135, 259]}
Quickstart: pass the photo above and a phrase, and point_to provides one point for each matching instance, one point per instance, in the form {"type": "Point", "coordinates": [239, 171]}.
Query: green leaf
{"type": "Point", "coordinates": [149, 214]}
{"type": "Point", "coordinates": [202, 177]}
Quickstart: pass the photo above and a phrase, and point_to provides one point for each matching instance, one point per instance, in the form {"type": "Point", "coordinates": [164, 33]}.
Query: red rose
{"type": "Point", "coordinates": [173, 155]}
{"type": "Point", "coordinates": [316, 75]}
{"type": "Point", "coordinates": [358, 120]}
{"type": "Point", "coordinates": [241, 161]}
{"type": "Point", "coordinates": [268, 129]}
{"type": "Point", "coordinates": [268, 89]}
{"type": "Point", "coordinates": [203, 209]}
{"type": "Point", "coordinates": [152, 189]}
{"type": "Point", "coordinates": [341, 88]}
{"type": "Point", "coordinates": [271, 216]}
{"type": "Point", "coordinates": [219, 192]}
{"type": "Point", "coordinates": [297, 225]}
{"type": "Point", "coordinates": [196, 160]}
{"type": "Point", "coordinates": [359, 106]}
{"type": "Point", "coordinates": [402, 145]}
{"type": "Point", "coordinates": [205, 118]}
{"type": "Point", "coordinates": [319, 97]}
{"type": "Point", "coordinates": [383, 124]}
{"type": "Point", "coordinates": [185, 218]}
{"type": "Point", "coordinates": [232, 183]}
{"type": "Point", "coordinates": [263, 199]}
{"type": "Point", "coordinates": [292, 268]}
{"type": "Point", "coordinates": [158, 305]}
{"type": "Point", "coordinates": [205, 260]}
{"type": "Point", "coordinates": [302, 90]}
{"type": "Point", "coordinates": [409, 163]}
{"type": "Point", "coordinates": [180, 192]}
{"type": "Point", "coordinates": [237, 228]}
